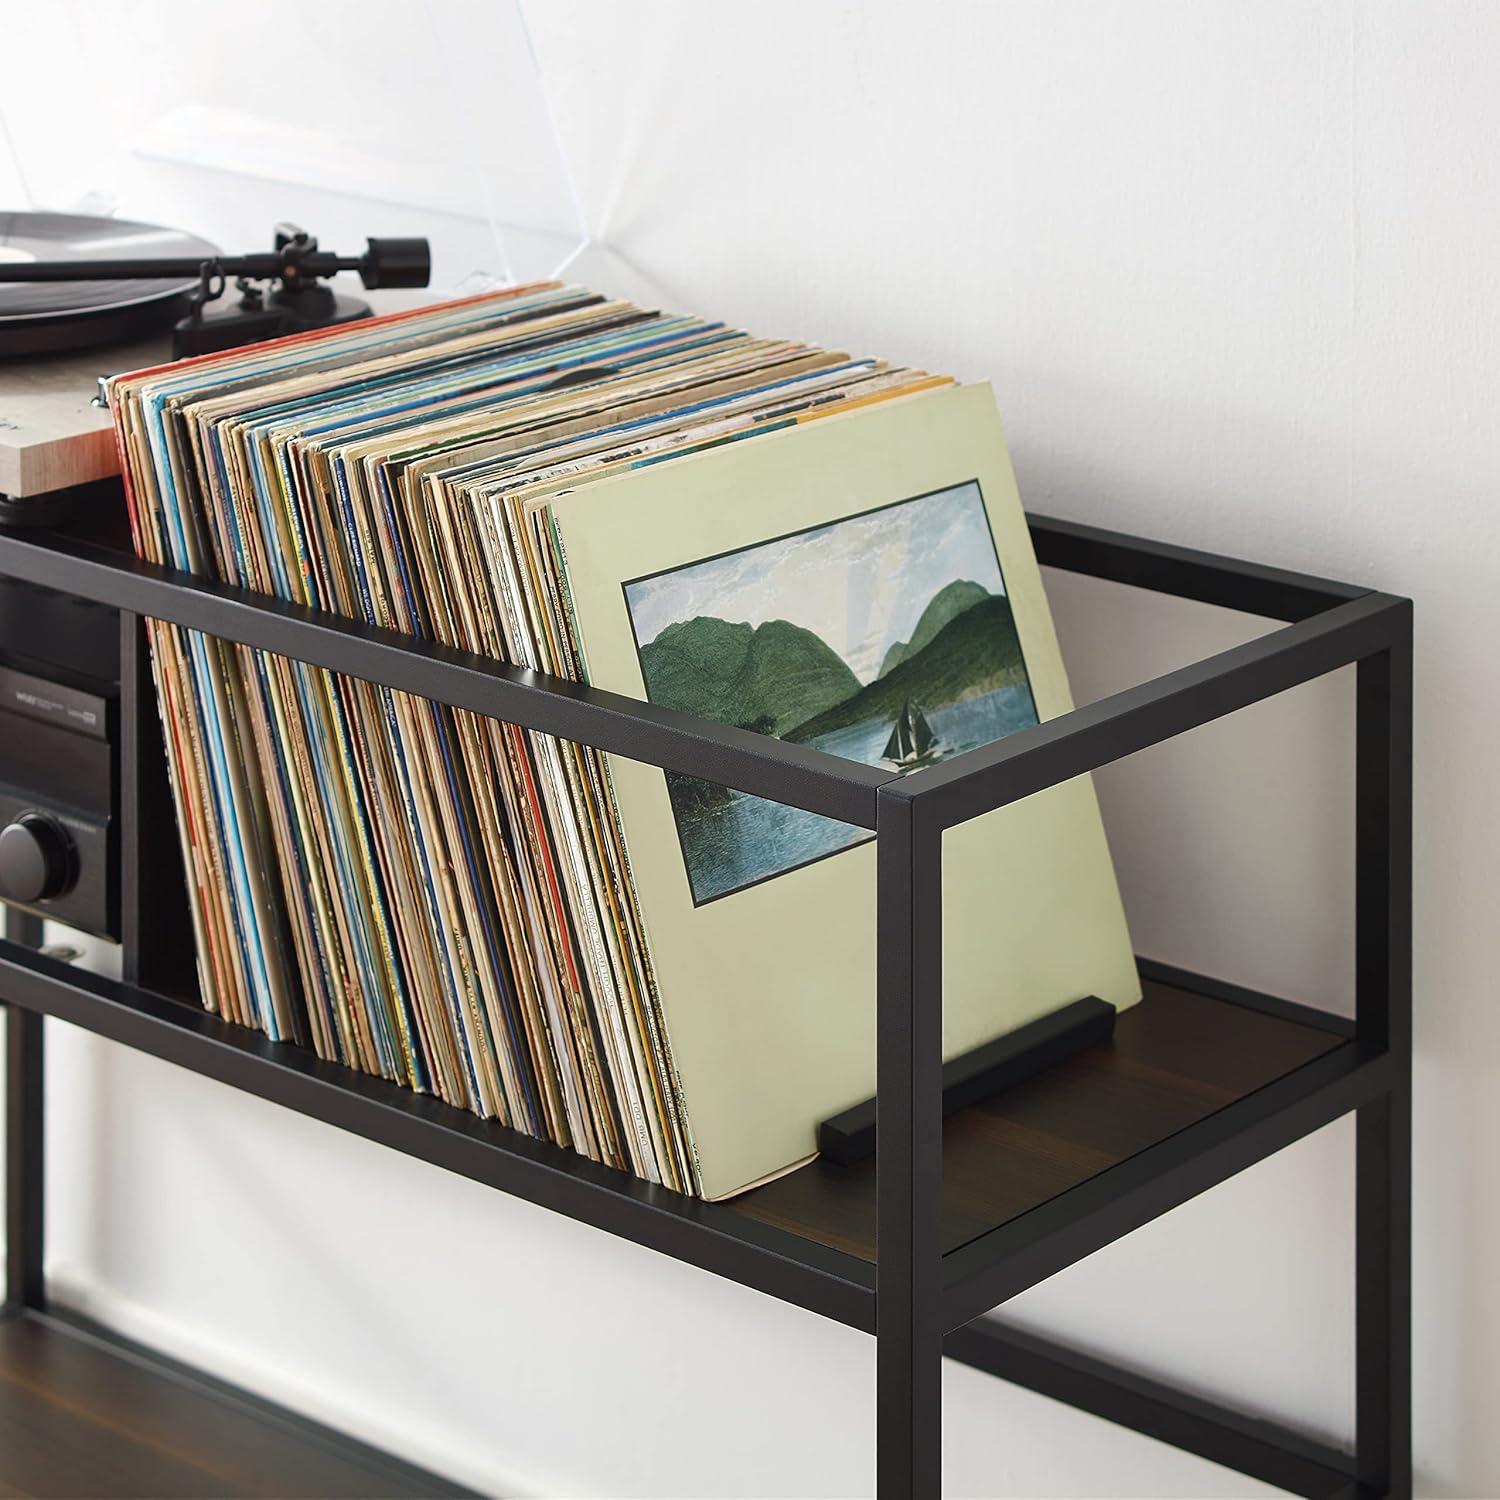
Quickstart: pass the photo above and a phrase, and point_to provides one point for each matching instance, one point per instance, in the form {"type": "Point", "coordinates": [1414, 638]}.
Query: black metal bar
{"type": "Point", "coordinates": [25, 1158]}
{"type": "Point", "coordinates": [909, 1161]}
{"type": "Point", "coordinates": [756, 763]}
{"type": "Point", "coordinates": [1382, 1296]}
{"type": "Point", "coordinates": [983, 1072]}
{"type": "Point", "coordinates": [1185, 572]}
{"type": "Point", "coordinates": [1237, 994]}
{"type": "Point", "coordinates": [975, 783]}
{"type": "Point", "coordinates": [1383, 711]}
{"type": "Point", "coordinates": [25, 1284]}
{"type": "Point", "coordinates": [262, 265]}
{"type": "Point", "coordinates": [1261, 1449]}
{"type": "Point", "coordinates": [1384, 1002]}
{"type": "Point", "coordinates": [156, 950]}
{"type": "Point", "coordinates": [710, 1235]}
{"type": "Point", "coordinates": [998, 1265]}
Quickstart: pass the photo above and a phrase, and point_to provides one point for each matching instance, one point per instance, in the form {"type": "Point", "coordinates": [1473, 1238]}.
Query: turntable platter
{"type": "Point", "coordinates": [48, 317]}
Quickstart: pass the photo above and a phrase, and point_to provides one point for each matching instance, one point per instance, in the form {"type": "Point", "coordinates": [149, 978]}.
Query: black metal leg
{"type": "Point", "coordinates": [1383, 1298]}
{"type": "Point", "coordinates": [24, 1283]}
{"type": "Point", "coordinates": [908, 1158]}
{"type": "Point", "coordinates": [153, 893]}
{"type": "Point", "coordinates": [1383, 986]}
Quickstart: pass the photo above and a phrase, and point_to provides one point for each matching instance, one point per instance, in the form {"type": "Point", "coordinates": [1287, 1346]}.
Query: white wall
{"type": "Point", "coordinates": [1233, 272]}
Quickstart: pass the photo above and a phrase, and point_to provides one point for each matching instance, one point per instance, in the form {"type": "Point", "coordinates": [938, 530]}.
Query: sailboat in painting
{"type": "Point", "coordinates": [912, 742]}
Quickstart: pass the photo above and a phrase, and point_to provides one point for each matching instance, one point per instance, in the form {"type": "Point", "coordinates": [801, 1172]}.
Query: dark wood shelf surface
{"type": "Point", "coordinates": [1176, 1058]}
{"type": "Point", "coordinates": [85, 1414]}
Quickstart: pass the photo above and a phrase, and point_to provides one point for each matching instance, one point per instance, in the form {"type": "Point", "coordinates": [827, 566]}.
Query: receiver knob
{"type": "Point", "coordinates": [37, 860]}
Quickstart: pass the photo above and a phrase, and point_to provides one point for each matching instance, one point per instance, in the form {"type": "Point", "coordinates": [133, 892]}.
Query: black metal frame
{"type": "Point", "coordinates": [919, 1302]}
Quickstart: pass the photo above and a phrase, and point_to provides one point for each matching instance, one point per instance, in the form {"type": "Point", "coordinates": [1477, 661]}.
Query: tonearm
{"type": "Point", "coordinates": [291, 295]}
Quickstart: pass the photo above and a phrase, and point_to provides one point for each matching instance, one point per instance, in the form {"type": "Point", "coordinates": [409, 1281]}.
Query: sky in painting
{"type": "Point", "coordinates": [860, 583]}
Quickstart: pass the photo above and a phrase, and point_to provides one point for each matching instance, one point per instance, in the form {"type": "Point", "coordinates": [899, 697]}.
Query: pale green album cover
{"type": "Point", "coordinates": [864, 584]}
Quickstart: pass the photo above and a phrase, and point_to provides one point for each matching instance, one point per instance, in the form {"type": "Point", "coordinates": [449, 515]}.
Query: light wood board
{"type": "Point", "coordinates": [51, 435]}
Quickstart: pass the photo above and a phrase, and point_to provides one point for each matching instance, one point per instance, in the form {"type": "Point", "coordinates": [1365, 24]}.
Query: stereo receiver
{"type": "Point", "coordinates": [59, 771]}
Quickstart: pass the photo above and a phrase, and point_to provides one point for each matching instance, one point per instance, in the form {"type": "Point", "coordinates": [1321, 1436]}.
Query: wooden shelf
{"type": "Point", "coordinates": [1176, 1058]}
{"type": "Point", "coordinates": [85, 1414]}
{"type": "Point", "coordinates": [1194, 1070]}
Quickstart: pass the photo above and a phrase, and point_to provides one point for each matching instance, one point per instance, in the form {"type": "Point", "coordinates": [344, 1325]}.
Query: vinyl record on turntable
{"type": "Point", "coordinates": [48, 317]}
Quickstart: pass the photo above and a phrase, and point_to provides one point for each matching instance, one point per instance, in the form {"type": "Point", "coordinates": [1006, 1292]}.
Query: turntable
{"type": "Point", "coordinates": [83, 297]}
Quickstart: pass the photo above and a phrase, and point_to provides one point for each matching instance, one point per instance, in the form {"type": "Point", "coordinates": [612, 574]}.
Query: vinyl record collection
{"type": "Point", "coordinates": [569, 944]}
{"type": "Point", "coordinates": [421, 893]}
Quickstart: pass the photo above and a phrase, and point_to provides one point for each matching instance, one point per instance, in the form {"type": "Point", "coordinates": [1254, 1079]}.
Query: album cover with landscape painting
{"type": "Point", "coordinates": [864, 585]}
{"type": "Point", "coordinates": [885, 637]}
{"type": "Point", "coordinates": [666, 976]}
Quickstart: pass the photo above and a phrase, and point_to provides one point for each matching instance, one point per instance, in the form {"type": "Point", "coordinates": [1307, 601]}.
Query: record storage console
{"type": "Point", "coordinates": [951, 1219]}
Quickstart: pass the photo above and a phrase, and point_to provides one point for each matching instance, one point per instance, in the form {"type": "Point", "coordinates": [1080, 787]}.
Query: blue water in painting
{"type": "Point", "coordinates": [746, 839]}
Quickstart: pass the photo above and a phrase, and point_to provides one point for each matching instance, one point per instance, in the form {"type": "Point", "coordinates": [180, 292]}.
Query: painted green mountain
{"type": "Point", "coordinates": [975, 652]}
{"type": "Point", "coordinates": [766, 677]}
{"type": "Point", "coordinates": [948, 603]}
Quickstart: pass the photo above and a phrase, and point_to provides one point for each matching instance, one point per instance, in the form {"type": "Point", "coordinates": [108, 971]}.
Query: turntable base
{"type": "Point", "coordinates": [51, 435]}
